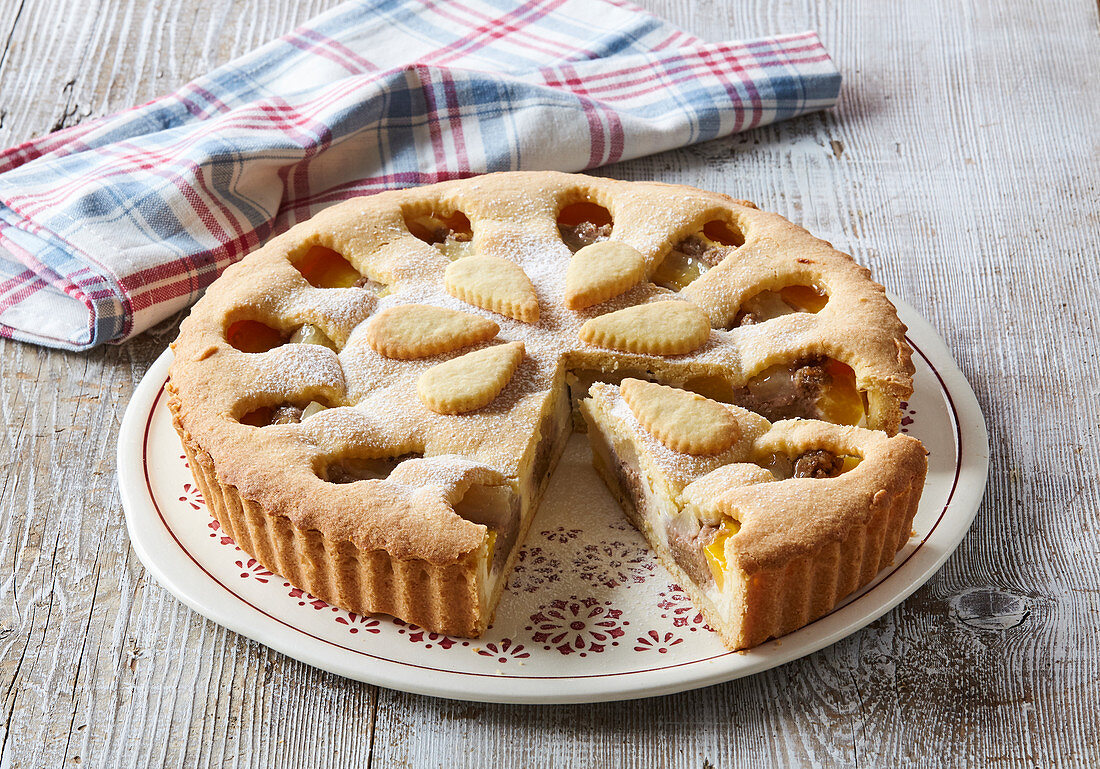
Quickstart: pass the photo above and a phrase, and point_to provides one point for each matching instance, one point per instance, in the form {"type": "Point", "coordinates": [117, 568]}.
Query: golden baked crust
{"type": "Point", "coordinates": [397, 543]}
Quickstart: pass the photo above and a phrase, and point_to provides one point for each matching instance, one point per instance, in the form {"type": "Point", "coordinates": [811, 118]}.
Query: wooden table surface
{"type": "Point", "coordinates": [962, 165]}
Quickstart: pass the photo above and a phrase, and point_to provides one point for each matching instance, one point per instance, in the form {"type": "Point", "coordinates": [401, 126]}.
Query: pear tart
{"type": "Point", "coordinates": [372, 403]}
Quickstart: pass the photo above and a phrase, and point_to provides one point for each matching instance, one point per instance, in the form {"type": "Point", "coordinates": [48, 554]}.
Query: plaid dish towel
{"type": "Point", "coordinates": [112, 225]}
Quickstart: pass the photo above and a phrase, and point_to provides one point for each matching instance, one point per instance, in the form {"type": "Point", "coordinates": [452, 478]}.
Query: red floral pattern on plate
{"type": "Point", "coordinates": [614, 563]}
{"type": "Point", "coordinates": [584, 625]}
{"type": "Point", "coordinates": [357, 622]}
{"type": "Point", "coordinates": [305, 598]}
{"type": "Point", "coordinates": [505, 650]}
{"type": "Point", "coordinates": [621, 524]}
{"type": "Point", "coordinates": [192, 496]}
{"type": "Point", "coordinates": [417, 635]}
{"type": "Point", "coordinates": [676, 604]}
{"type": "Point", "coordinates": [654, 641]}
{"type": "Point", "coordinates": [907, 418]}
{"type": "Point", "coordinates": [215, 527]}
{"type": "Point", "coordinates": [560, 534]}
{"type": "Point", "coordinates": [253, 569]}
{"type": "Point", "coordinates": [534, 568]}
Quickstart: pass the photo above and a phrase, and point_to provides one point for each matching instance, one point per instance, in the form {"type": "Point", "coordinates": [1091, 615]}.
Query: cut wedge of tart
{"type": "Point", "coordinates": [373, 402]}
{"type": "Point", "coordinates": [768, 528]}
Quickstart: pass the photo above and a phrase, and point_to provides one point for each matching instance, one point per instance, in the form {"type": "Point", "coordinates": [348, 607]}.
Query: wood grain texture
{"type": "Point", "coordinates": [962, 166]}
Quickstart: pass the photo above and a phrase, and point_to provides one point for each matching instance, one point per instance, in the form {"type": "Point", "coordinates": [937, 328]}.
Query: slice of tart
{"type": "Point", "coordinates": [767, 528]}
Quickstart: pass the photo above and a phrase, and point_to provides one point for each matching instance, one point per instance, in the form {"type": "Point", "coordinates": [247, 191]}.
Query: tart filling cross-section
{"type": "Point", "coordinates": [374, 401]}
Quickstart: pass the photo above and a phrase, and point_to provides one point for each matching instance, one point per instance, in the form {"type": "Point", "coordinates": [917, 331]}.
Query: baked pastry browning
{"type": "Point", "coordinates": [373, 402]}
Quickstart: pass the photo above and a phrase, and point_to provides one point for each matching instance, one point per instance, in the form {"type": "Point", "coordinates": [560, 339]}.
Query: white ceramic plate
{"type": "Point", "coordinates": [588, 614]}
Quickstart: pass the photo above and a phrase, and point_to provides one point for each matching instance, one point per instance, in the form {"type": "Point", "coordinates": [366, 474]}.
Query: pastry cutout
{"type": "Point", "coordinates": [687, 261]}
{"type": "Point", "coordinates": [494, 284]}
{"type": "Point", "coordinates": [282, 414]}
{"type": "Point", "coordinates": [767, 305]}
{"type": "Point", "coordinates": [584, 212]}
{"type": "Point", "coordinates": [412, 331]}
{"type": "Point", "coordinates": [253, 336]}
{"type": "Point", "coordinates": [658, 328]}
{"type": "Point", "coordinates": [583, 223]}
{"type": "Point", "coordinates": [352, 469]}
{"type": "Point", "coordinates": [324, 268]}
{"type": "Point", "coordinates": [726, 233]}
{"type": "Point", "coordinates": [601, 271]}
{"type": "Point", "coordinates": [679, 419]}
{"type": "Point", "coordinates": [435, 228]}
{"type": "Point", "coordinates": [470, 381]}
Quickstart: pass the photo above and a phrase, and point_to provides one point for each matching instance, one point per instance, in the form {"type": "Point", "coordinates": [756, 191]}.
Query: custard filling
{"type": "Point", "coordinates": [715, 552]}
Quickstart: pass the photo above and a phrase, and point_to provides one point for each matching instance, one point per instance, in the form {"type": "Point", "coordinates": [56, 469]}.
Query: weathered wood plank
{"type": "Point", "coordinates": [961, 166]}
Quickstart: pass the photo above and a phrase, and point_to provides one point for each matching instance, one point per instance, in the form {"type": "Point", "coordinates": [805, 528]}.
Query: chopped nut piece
{"type": "Point", "coordinates": [818, 464]}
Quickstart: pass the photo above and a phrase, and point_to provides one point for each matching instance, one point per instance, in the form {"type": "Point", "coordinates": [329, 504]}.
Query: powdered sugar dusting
{"type": "Point", "coordinates": [337, 311]}
{"type": "Point", "coordinates": [517, 225]}
{"type": "Point", "coordinates": [498, 434]}
{"type": "Point", "coordinates": [294, 368]}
